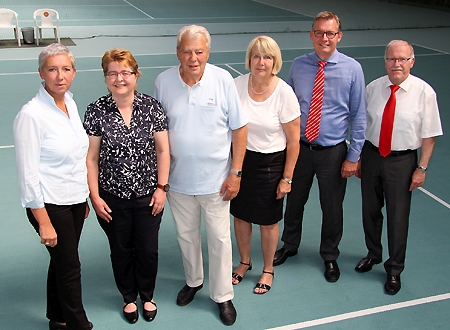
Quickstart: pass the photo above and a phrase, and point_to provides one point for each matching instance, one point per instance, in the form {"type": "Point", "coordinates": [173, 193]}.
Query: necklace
{"type": "Point", "coordinates": [259, 93]}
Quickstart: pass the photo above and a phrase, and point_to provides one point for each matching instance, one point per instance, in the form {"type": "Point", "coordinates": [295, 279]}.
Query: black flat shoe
{"type": "Point", "coordinates": [227, 312]}
{"type": "Point", "coordinates": [392, 285]}
{"type": "Point", "coordinates": [281, 255]}
{"type": "Point", "coordinates": [238, 277]}
{"type": "Point", "coordinates": [148, 315]}
{"type": "Point", "coordinates": [186, 295]}
{"type": "Point", "coordinates": [52, 325]}
{"type": "Point", "coordinates": [332, 271]}
{"type": "Point", "coordinates": [366, 264]}
{"type": "Point", "coordinates": [131, 317]}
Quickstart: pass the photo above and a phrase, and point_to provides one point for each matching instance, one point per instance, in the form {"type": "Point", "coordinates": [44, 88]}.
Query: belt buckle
{"type": "Point", "coordinates": [313, 147]}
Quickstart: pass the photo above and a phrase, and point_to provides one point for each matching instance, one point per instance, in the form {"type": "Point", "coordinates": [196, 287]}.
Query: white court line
{"type": "Point", "coordinates": [231, 68]}
{"type": "Point", "coordinates": [143, 12]}
{"type": "Point", "coordinates": [364, 312]}
{"type": "Point", "coordinates": [6, 147]}
{"type": "Point", "coordinates": [292, 11]}
{"type": "Point", "coordinates": [447, 205]}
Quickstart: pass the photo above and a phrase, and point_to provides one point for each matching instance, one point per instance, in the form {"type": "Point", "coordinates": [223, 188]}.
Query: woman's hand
{"type": "Point", "coordinates": [48, 235]}
{"type": "Point", "coordinates": [283, 188]}
{"type": "Point", "coordinates": [158, 201]}
{"type": "Point", "coordinates": [101, 208]}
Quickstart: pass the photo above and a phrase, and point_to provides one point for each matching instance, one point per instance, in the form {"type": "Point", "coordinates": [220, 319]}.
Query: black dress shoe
{"type": "Point", "coordinates": [52, 325]}
{"type": "Point", "coordinates": [131, 317]}
{"type": "Point", "coordinates": [186, 295]}
{"type": "Point", "coordinates": [227, 312]}
{"type": "Point", "coordinates": [392, 285]}
{"type": "Point", "coordinates": [149, 315]}
{"type": "Point", "coordinates": [366, 264]}
{"type": "Point", "coordinates": [332, 272]}
{"type": "Point", "coordinates": [281, 255]}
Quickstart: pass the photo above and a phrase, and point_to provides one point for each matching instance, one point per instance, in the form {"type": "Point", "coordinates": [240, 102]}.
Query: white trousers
{"type": "Point", "coordinates": [187, 210]}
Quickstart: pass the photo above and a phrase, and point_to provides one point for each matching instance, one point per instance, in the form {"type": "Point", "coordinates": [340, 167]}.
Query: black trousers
{"type": "Point", "coordinates": [64, 303]}
{"type": "Point", "coordinates": [133, 239]}
{"type": "Point", "coordinates": [386, 178]}
{"type": "Point", "coordinates": [326, 166]}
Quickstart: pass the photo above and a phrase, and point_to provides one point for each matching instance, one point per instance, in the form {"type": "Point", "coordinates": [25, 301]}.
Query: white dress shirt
{"type": "Point", "coordinates": [51, 151]}
{"type": "Point", "coordinates": [416, 112]}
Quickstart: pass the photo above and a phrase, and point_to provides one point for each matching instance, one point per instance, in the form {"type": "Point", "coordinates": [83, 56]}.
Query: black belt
{"type": "Point", "coordinates": [318, 147]}
{"type": "Point", "coordinates": [393, 152]}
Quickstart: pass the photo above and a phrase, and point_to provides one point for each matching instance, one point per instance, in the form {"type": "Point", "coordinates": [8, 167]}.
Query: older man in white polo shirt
{"type": "Point", "coordinates": [205, 117]}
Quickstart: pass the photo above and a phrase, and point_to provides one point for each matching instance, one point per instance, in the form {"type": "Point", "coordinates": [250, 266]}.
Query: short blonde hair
{"type": "Point", "coordinates": [266, 45]}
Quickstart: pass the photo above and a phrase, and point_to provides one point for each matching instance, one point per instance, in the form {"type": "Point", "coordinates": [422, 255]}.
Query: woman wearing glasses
{"type": "Point", "coordinates": [128, 167]}
{"type": "Point", "coordinates": [51, 148]}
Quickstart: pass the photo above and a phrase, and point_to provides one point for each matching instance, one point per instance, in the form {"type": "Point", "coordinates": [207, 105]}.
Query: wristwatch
{"type": "Point", "coordinates": [287, 180]}
{"type": "Point", "coordinates": [422, 168]}
{"type": "Point", "coordinates": [238, 173]}
{"type": "Point", "coordinates": [164, 187]}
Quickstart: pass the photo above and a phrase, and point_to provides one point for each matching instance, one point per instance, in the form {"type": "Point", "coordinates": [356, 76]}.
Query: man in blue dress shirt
{"type": "Point", "coordinates": [343, 116]}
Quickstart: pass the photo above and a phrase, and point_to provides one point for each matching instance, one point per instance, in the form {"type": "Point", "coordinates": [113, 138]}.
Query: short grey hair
{"type": "Point", "coordinates": [194, 31]}
{"type": "Point", "coordinates": [393, 42]}
{"type": "Point", "coordinates": [52, 50]}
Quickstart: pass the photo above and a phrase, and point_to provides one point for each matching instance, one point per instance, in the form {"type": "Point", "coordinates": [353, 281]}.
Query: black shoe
{"type": "Point", "coordinates": [392, 285]}
{"type": "Point", "coordinates": [91, 326]}
{"type": "Point", "coordinates": [366, 264]}
{"type": "Point", "coordinates": [332, 272]}
{"type": "Point", "coordinates": [149, 315]}
{"type": "Point", "coordinates": [131, 317]}
{"type": "Point", "coordinates": [186, 295]}
{"type": "Point", "coordinates": [52, 325]}
{"type": "Point", "coordinates": [281, 255]}
{"type": "Point", "coordinates": [227, 312]}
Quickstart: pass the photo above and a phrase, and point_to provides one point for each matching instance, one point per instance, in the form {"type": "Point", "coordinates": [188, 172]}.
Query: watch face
{"type": "Point", "coordinates": [166, 187]}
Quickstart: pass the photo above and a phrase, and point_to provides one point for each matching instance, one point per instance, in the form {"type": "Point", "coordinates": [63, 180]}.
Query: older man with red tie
{"type": "Point", "coordinates": [402, 116]}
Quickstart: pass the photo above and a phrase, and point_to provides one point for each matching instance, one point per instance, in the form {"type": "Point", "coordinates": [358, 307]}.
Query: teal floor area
{"type": "Point", "coordinates": [300, 296]}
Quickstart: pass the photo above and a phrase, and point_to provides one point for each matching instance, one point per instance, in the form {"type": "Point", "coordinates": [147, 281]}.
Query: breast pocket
{"type": "Point", "coordinates": [211, 118]}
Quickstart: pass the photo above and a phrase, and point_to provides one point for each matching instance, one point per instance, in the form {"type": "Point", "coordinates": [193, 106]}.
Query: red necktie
{"type": "Point", "coordinates": [387, 123]}
{"type": "Point", "coordinates": [315, 108]}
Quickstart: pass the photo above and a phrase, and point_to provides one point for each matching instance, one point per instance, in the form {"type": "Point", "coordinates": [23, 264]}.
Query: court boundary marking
{"type": "Point", "coordinates": [364, 312]}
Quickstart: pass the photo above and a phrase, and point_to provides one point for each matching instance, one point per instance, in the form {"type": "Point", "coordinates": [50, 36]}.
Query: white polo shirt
{"type": "Point", "coordinates": [416, 113]}
{"type": "Point", "coordinates": [201, 119]}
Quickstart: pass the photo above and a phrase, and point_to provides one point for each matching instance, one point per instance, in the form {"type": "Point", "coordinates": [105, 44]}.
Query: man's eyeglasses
{"type": "Point", "coordinates": [400, 60]}
{"type": "Point", "coordinates": [329, 34]}
{"type": "Point", "coordinates": [114, 74]}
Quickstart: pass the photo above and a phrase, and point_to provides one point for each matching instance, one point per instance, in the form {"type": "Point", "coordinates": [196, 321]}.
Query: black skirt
{"type": "Point", "coordinates": [256, 201]}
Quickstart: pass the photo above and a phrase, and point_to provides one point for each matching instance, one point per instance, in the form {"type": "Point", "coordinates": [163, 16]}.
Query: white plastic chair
{"type": "Point", "coordinates": [46, 17]}
{"type": "Point", "coordinates": [9, 20]}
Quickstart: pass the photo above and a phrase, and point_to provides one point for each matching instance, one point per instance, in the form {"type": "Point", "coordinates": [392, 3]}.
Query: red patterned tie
{"type": "Point", "coordinates": [387, 123]}
{"type": "Point", "coordinates": [315, 108]}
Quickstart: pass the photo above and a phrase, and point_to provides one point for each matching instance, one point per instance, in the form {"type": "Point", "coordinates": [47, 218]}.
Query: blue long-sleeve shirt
{"type": "Point", "coordinates": [344, 103]}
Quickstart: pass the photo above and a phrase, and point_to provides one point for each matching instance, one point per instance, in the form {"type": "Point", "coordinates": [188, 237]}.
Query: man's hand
{"type": "Point", "coordinates": [230, 187]}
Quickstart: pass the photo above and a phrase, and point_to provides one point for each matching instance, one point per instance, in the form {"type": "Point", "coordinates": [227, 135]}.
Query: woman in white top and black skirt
{"type": "Point", "coordinates": [273, 139]}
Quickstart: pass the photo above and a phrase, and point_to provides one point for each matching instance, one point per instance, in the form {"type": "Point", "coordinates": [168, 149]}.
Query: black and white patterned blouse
{"type": "Point", "coordinates": [127, 154]}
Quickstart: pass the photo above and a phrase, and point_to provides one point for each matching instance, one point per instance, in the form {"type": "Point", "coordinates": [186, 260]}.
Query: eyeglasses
{"type": "Point", "coordinates": [114, 74]}
{"type": "Point", "coordinates": [400, 60]}
{"type": "Point", "coordinates": [329, 34]}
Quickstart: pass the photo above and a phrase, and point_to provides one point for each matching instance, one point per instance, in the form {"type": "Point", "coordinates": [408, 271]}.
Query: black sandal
{"type": "Point", "coordinates": [238, 277]}
{"type": "Point", "coordinates": [148, 315]}
{"type": "Point", "coordinates": [263, 286]}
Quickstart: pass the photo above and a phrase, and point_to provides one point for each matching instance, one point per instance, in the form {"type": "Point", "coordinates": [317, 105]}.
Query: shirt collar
{"type": "Point", "coordinates": [404, 85]}
{"type": "Point", "coordinates": [48, 98]}
{"type": "Point", "coordinates": [332, 59]}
